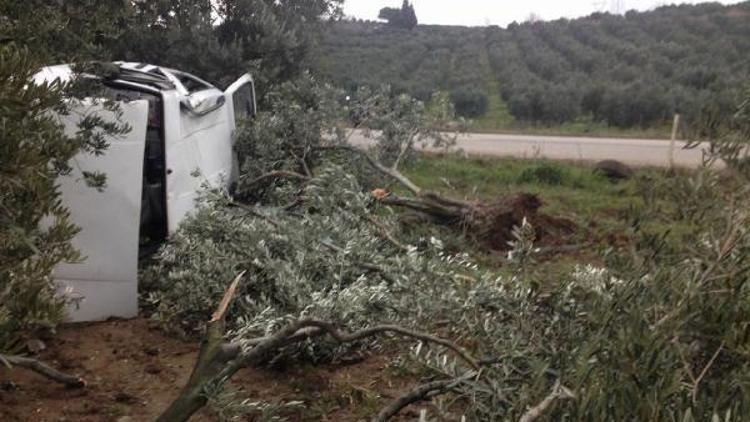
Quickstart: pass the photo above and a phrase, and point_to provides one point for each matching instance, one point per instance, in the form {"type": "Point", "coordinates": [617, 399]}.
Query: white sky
{"type": "Point", "coordinates": [500, 12]}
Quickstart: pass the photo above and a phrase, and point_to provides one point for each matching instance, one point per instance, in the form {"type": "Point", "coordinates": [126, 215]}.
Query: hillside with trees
{"type": "Point", "coordinates": [634, 70]}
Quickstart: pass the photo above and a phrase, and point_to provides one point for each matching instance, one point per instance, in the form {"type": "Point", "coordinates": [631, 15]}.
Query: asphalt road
{"type": "Point", "coordinates": [635, 152]}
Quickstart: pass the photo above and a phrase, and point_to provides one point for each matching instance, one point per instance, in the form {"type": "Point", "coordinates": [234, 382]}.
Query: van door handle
{"type": "Point", "coordinates": [169, 171]}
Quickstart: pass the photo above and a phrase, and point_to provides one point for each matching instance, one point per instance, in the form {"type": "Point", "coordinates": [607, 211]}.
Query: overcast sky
{"type": "Point", "coordinates": [500, 12]}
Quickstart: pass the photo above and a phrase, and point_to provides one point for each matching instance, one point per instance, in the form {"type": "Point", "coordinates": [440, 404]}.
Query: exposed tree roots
{"type": "Point", "coordinates": [490, 223]}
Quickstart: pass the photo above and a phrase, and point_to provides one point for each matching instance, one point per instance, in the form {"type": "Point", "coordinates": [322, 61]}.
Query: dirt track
{"type": "Point", "coordinates": [636, 152]}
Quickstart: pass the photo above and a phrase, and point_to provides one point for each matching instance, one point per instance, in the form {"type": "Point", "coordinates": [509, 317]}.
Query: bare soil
{"type": "Point", "coordinates": [134, 371]}
{"type": "Point", "coordinates": [505, 214]}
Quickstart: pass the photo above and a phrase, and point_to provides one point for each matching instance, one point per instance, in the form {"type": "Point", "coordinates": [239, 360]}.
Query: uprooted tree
{"type": "Point", "coordinates": [374, 134]}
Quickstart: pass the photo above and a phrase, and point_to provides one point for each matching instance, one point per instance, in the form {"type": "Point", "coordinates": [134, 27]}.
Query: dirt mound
{"type": "Point", "coordinates": [495, 222]}
{"type": "Point", "coordinates": [614, 170]}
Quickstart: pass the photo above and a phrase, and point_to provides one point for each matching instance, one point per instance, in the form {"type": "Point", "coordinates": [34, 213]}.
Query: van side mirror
{"type": "Point", "coordinates": [204, 106]}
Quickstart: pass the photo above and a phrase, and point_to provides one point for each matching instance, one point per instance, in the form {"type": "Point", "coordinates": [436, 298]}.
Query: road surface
{"type": "Point", "coordinates": [634, 152]}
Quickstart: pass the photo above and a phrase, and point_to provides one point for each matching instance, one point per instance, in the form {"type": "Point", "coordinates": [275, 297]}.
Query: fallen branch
{"type": "Point", "coordinates": [210, 357]}
{"type": "Point", "coordinates": [559, 392]}
{"type": "Point", "coordinates": [43, 369]}
{"type": "Point", "coordinates": [443, 210]}
{"type": "Point", "coordinates": [255, 213]}
{"type": "Point", "coordinates": [343, 337]}
{"type": "Point", "coordinates": [280, 174]}
{"type": "Point", "coordinates": [421, 393]}
{"type": "Point", "coordinates": [386, 234]}
{"type": "Point", "coordinates": [218, 361]}
{"type": "Point", "coordinates": [705, 371]}
{"type": "Point", "coordinates": [391, 172]}
{"type": "Point", "coordinates": [363, 265]}
{"type": "Point", "coordinates": [221, 312]}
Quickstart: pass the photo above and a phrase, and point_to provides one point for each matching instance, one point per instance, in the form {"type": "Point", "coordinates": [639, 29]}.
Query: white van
{"type": "Point", "coordinates": [181, 138]}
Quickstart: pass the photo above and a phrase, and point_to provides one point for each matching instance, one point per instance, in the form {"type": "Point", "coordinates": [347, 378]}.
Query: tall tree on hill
{"type": "Point", "coordinates": [405, 18]}
{"type": "Point", "coordinates": [409, 15]}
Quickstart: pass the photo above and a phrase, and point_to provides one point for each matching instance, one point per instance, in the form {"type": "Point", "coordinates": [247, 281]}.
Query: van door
{"type": "Point", "coordinates": [242, 106]}
{"type": "Point", "coordinates": [199, 152]}
{"type": "Point", "coordinates": [106, 282]}
{"type": "Point", "coordinates": [241, 98]}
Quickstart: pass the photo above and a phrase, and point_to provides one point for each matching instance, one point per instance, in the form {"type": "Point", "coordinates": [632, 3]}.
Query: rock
{"type": "Point", "coordinates": [35, 345]}
{"type": "Point", "coordinates": [151, 351]}
{"type": "Point", "coordinates": [614, 170]}
{"type": "Point", "coordinates": [8, 386]}
{"type": "Point", "coordinates": [126, 398]}
{"type": "Point", "coordinates": [152, 369]}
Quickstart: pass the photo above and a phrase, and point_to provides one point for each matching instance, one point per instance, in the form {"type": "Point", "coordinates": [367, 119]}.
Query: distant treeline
{"type": "Point", "coordinates": [631, 70]}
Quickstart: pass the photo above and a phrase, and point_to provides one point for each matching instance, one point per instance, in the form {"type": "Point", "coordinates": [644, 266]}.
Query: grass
{"type": "Point", "coordinates": [581, 127]}
{"type": "Point", "coordinates": [498, 115]}
{"type": "Point", "coordinates": [577, 128]}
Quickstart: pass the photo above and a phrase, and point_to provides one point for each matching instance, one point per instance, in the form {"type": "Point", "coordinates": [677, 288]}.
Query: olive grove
{"type": "Point", "coordinates": [631, 70]}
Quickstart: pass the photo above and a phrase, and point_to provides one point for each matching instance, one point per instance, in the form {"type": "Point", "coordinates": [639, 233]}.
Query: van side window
{"type": "Point", "coordinates": [192, 84]}
{"type": "Point", "coordinates": [244, 102]}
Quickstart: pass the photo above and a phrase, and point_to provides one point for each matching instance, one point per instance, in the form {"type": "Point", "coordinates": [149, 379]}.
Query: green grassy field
{"type": "Point", "coordinates": [499, 120]}
{"type": "Point", "coordinates": [578, 128]}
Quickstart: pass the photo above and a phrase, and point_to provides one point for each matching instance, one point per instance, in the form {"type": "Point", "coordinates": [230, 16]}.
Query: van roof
{"type": "Point", "coordinates": [143, 74]}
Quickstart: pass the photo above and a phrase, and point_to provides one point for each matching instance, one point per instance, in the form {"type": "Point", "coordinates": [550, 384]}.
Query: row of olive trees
{"type": "Point", "coordinates": [632, 70]}
{"type": "Point", "coordinates": [418, 63]}
{"type": "Point", "coordinates": [614, 70]}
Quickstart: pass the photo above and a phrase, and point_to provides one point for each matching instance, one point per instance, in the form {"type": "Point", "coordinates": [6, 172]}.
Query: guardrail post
{"type": "Point", "coordinates": [675, 126]}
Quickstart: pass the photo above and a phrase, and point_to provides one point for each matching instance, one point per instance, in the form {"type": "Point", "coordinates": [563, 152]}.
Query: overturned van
{"type": "Point", "coordinates": [181, 139]}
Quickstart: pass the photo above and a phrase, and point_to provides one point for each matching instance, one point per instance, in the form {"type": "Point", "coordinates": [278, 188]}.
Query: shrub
{"type": "Point", "coordinates": [470, 103]}
{"type": "Point", "coordinates": [547, 174]}
{"type": "Point", "coordinates": [36, 227]}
